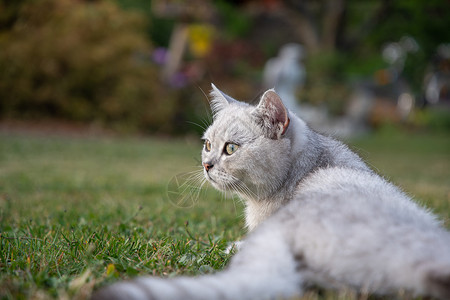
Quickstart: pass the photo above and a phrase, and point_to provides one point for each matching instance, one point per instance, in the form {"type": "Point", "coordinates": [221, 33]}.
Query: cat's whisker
{"type": "Point", "coordinates": [209, 117]}
{"type": "Point", "coordinates": [241, 188]}
{"type": "Point", "coordinates": [238, 191]}
{"type": "Point", "coordinates": [236, 198]}
{"type": "Point", "coordinates": [200, 188]}
{"type": "Point", "coordinates": [248, 191]}
{"type": "Point", "coordinates": [226, 195]}
{"type": "Point", "coordinates": [184, 189]}
{"type": "Point", "coordinates": [201, 126]}
{"type": "Point", "coordinates": [207, 121]}
{"type": "Point", "coordinates": [191, 181]}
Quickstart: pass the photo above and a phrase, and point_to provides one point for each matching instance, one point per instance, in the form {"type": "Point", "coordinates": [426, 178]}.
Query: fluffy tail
{"type": "Point", "coordinates": [228, 285]}
{"type": "Point", "coordinates": [254, 273]}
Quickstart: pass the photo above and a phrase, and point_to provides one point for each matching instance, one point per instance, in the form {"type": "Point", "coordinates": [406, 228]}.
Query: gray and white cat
{"type": "Point", "coordinates": [317, 216]}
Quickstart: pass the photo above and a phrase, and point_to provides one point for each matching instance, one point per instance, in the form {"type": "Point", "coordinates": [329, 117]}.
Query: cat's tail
{"type": "Point", "coordinates": [254, 273]}
{"type": "Point", "coordinates": [227, 285]}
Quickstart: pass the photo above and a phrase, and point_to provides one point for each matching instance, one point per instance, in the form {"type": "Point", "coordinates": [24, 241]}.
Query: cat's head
{"type": "Point", "coordinates": [246, 146]}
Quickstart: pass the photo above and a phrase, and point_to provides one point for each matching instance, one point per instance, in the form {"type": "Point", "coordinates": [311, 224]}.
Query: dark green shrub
{"type": "Point", "coordinates": [84, 61]}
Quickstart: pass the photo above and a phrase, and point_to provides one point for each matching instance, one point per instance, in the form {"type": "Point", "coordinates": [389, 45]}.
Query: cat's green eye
{"type": "Point", "coordinates": [231, 148]}
{"type": "Point", "coordinates": [207, 145]}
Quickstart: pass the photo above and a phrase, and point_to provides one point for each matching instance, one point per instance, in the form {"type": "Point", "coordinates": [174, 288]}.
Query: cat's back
{"type": "Point", "coordinates": [359, 196]}
{"type": "Point", "coordinates": [344, 218]}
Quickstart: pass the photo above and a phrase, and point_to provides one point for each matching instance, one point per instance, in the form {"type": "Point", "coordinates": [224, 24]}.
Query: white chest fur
{"type": "Point", "coordinates": [257, 211]}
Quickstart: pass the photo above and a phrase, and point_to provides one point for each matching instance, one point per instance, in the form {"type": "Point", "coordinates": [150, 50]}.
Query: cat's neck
{"type": "Point", "coordinates": [309, 152]}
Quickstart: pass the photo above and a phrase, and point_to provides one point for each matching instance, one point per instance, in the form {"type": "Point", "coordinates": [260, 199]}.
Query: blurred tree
{"type": "Point", "coordinates": [428, 22]}
{"type": "Point", "coordinates": [80, 60]}
{"type": "Point", "coordinates": [329, 25]}
{"type": "Point", "coordinates": [345, 37]}
{"type": "Point", "coordinates": [358, 29]}
{"type": "Point", "coordinates": [158, 29]}
{"type": "Point", "coordinates": [317, 22]}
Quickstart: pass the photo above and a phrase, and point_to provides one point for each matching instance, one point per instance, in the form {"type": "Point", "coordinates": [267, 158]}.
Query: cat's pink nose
{"type": "Point", "coordinates": [207, 166]}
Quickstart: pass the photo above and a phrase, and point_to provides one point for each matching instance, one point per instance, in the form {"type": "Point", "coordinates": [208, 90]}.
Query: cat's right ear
{"type": "Point", "coordinates": [273, 114]}
{"type": "Point", "coordinates": [219, 100]}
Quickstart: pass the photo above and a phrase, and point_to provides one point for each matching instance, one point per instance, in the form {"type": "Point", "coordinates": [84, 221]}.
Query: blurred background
{"type": "Point", "coordinates": [347, 67]}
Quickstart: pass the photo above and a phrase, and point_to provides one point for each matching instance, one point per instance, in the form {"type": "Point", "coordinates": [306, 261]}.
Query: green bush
{"type": "Point", "coordinates": [84, 61]}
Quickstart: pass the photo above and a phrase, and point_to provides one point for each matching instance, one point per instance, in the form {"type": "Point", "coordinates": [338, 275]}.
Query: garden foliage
{"type": "Point", "coordinates": [82, 61]}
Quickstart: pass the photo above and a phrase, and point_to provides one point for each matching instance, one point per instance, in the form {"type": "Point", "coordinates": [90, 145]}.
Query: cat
{"type": "Point", "coordinates": [317, 216]}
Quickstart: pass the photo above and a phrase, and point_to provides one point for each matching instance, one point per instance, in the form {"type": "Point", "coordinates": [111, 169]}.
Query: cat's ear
{"type": "Point", "coordinates": [273, 114]}
{"type": "Point", "coordinates": [219, 100]}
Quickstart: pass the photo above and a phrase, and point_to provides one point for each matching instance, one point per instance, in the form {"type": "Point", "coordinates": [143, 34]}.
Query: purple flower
{"type": "Point", "coordinates": [159, 55]}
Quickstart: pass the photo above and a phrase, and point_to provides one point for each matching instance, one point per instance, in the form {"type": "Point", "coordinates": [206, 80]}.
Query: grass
{"type": "Point", "coordinates": [78, 213]}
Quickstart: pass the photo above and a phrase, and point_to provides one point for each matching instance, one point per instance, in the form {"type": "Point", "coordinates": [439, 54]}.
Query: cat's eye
{"type": "Point", "coordinates": [207, 146]}
{"type": "Point", "coordinates": [230, 148]}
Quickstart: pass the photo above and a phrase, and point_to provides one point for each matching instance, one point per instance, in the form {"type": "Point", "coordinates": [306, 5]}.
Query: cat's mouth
{"type": "Point", "coordinates": [219, 184]}
{"type": "Point", "coordinates": [209, 178]}
{"type": "Point", "coordinates": [215, 183]}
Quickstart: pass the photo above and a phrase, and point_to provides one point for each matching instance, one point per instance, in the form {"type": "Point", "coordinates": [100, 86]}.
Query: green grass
{"type": "Point", "coordinates": [78, 213]}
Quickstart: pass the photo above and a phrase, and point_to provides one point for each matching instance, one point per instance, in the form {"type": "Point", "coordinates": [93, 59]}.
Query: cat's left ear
{"type": "Point", "coordinates": [219, 100]}
{"type": "Point", "coordinates": [273, 114]}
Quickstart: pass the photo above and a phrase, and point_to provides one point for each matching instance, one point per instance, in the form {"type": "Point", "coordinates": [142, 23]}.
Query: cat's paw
{"type": "Point", "coordinates": [233, 247]}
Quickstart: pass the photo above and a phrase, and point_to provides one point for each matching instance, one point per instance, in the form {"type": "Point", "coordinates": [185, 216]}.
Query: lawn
{"type": "Point", "coordinates": [78, 213]}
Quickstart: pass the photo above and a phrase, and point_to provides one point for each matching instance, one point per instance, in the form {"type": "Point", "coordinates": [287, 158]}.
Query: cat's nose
{"type": "Point", "coordinates": [208, 166]}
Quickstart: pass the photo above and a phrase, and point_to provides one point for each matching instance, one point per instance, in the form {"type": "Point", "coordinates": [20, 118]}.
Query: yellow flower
{"type": "Point", "coordinates": [110, 269]}
{"type": "Point", "coordinates": [200, 39]}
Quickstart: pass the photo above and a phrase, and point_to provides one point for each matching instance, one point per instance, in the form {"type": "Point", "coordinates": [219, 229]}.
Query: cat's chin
{"type": "Point", "coordinates": [215, 184]}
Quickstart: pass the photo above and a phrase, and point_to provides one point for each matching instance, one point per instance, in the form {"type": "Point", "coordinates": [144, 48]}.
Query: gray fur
{"type": "Point", "coordinates": [317, 215]}
{"type": "Point", "coordinates": [267, 170]}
